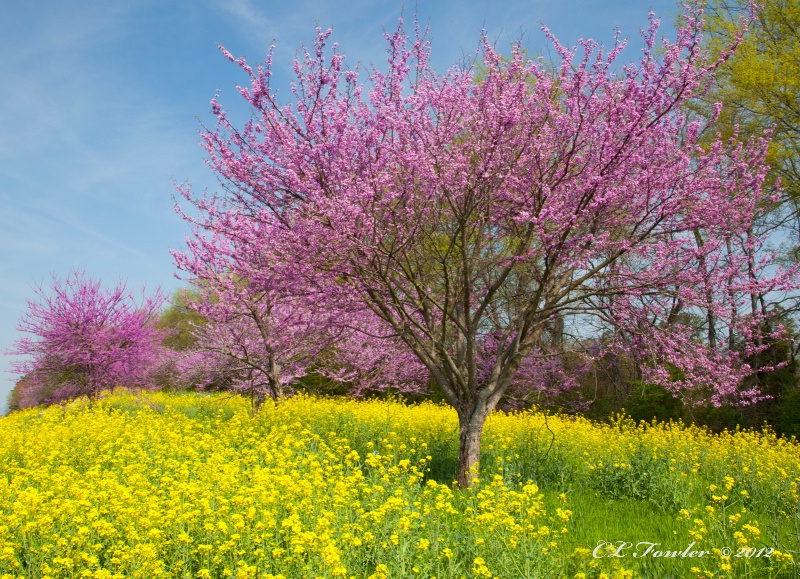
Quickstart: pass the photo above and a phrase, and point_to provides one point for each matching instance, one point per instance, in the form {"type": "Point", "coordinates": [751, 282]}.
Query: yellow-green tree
{"type": "Point", "coordinates": [760, 84]}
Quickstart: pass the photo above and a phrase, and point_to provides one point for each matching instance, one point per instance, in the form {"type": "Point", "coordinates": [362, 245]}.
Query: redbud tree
{"type": "Point", "coordinates": [263, 326]}
{"type": "Point", "coordinates": [470, 209]}
{"type": "Point", "coordinates": [266, 326]}
{"type": "Point", "coordinates": [83, 338]}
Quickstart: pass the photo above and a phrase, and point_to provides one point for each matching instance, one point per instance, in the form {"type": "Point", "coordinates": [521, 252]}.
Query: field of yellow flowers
{"type": "Point", "coordinates": [194, 485]}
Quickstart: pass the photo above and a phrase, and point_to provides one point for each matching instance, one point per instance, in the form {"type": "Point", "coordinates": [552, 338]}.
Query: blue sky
{"type": "Point", "coordinates": [101, 103]}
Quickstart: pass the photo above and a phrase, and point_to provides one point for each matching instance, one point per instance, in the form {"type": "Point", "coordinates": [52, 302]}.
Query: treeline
{"type": "Point", "coordinates": [613, 385]}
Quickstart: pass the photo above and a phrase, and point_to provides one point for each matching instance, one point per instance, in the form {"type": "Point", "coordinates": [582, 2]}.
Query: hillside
{"type": "Point", "coordinates": [193, 485]}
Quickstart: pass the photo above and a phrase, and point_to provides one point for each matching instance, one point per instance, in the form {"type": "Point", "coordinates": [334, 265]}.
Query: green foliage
{"type": "Point", "coordinates": [179, 319]}
{"type": "Point", "coordinates": [649, 402]}
{"type": "Point", "coordinates": [760, 84]}
{"type": "Point", "coordinates": [787, 415]}
{"type": "Point", "coordinates": [13, 399]}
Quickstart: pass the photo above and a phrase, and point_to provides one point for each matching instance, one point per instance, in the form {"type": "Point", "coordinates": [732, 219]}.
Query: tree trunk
{"type": "Point", "coordinates": [469, 448]}
{"type": "Point", "coordinates": [257, 400]}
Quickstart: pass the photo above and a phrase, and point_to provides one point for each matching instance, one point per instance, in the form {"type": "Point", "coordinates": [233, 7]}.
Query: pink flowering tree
{"type": "Point", "coordinates": [264, 326]}
{"type": "Point", "coordinates": [83, 338]}
{"type": "Point", "coordinates": [468, 211]}
{"type": "Point", "coordinates": [723, 304]}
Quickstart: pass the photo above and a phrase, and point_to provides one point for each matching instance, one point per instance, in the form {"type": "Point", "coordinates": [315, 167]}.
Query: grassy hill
{"type": "Point", "coordinates": [193, 485]}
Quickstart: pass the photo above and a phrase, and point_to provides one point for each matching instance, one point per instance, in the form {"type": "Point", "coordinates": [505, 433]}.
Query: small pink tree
{"type": "Point", "coordinates": [264, 326]}
{"type": "Point", "coordinates": [84, 338]}
{"type": "Point", "coordinates": [465, 209]}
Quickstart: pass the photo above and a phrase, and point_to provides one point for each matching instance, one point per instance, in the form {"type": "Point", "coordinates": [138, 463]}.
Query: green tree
{"type": "Point", "coordinates": [760, 84]}
{"type": "Point", "coordinates": [180, 320]}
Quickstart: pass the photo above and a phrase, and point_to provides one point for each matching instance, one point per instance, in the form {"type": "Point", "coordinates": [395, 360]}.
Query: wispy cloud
{"type": "Point", "coordinates": [251, 18]}
{"type": "Point", "coordinates": [51, 62]}
{"type": "Point", "coordinates": [87, 151]}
